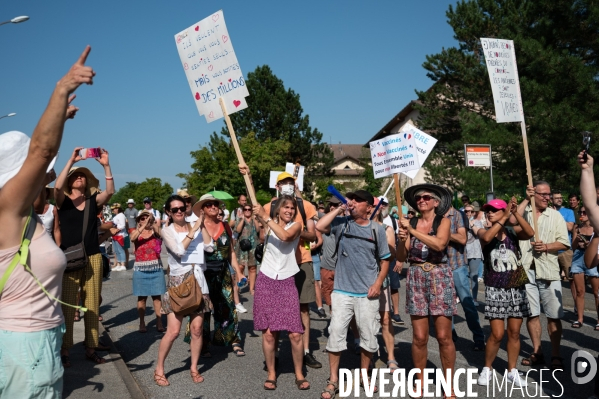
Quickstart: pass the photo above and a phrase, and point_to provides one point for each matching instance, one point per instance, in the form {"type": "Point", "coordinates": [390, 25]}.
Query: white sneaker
{"type": "Point", "coordinates": [122, 268]}
{"type": "Point", "coordinates": [240, 308]}
{"type": "Point", "coordinates": [480, 280]}
{"type": "Point", "coordinates": [485, 376]}
{"type": "Point", "coordinates": [514, 377]}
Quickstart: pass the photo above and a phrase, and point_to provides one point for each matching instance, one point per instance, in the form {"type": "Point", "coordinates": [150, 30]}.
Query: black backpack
{"type": "Point", "coordinates": [436, 223]}
{"type": "Point", "coordinates": [300, 208]}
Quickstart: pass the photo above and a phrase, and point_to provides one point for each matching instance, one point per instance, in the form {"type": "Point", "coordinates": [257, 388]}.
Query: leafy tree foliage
{"type": "Point", "coordinates": [151, 187]}
{"type": "Point", "coordinates": [556, 44]}
{"type": "Point", "coordinates": [272, 131]}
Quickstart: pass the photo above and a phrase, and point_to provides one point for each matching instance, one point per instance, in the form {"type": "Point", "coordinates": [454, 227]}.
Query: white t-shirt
{"type": "Point", "coordinates": [387, 221]}
{"type": "Point", "coordinates": [191, 218]}
{"type": "Point", "coordinates": [279, 257]}
{"type": "Point", "coordinates": [226, 217]}
{"type": "Point", "coordinates": [120, 221]}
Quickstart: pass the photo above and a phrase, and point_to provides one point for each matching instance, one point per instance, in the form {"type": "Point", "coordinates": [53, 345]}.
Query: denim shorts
{"type": "Point", "coordinates": [316, 265]}
{"type": "Point", "coordinates": [30, 365]}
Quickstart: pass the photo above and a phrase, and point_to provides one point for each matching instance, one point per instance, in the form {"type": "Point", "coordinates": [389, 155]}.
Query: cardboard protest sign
{"type": "Point", "coordinates": [211, 67]}
{"type": "Point", "coordinates": [290, 168]}
{"type": "Point", "coordinates": [424, 144]}
{"type": "Point", "coordinates": [393, 154]}
{"type": "Point", "coordinates": [272, 181]}
{"type": "Point", "coordinates": [500, 57]}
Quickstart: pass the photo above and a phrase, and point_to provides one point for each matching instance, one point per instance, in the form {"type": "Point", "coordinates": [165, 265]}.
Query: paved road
{"type": "Point", "coordinates": [227, 376]}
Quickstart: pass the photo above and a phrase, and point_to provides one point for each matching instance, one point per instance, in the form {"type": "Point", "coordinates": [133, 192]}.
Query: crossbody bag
{"type": "Point", "coordinates": [76, 256]}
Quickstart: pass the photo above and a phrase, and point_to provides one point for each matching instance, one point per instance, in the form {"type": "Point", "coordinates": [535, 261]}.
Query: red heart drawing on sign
{"type": "Point", "coordinates": [225, 38]}
{"type": "Point", "coordinates": [409, 136]}
{"type": "Point", "coordinates": [229, 80]}
{"type": "Point", "coordinates": [179, 39]}
{"type": "Point", "coordinates": [211, 114]}
{"type": "Point", "coordinates": [236, 103]}
{"type": "Point", "coordinates": [185, 66]}
{"type": "Point", "coordinates": [197, 28]}
{"type": "Point", "coordinates": [198, 96]}
{"type": "Point", "coordinates": [221, 83]}
{"type": "Point", "coordinates": [210, 67]}
{"type": "Point", "coordinates": [215, 17]}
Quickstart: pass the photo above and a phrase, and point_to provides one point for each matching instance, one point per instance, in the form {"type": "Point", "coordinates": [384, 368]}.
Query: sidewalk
{"type": "Point", "coordinates": [85, 379]}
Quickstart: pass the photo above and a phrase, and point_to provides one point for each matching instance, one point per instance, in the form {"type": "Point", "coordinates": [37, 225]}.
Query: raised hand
{"type": "Point", "coordinates": [244, 169]}
{"type": "Point", "coordinates": [103, 159]}
{"type": "Point", "coordinates": [588, 164]}
{"type": "Point", "coordinates": [78, 74]}
{"type": "Point", "coordinates": [75, 155]}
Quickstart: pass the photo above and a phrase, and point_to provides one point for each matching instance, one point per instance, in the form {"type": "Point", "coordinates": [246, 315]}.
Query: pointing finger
{"type": "Point", "coordinates": [83, 57]}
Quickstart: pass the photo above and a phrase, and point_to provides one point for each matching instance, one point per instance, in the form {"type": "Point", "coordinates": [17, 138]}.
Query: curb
{"type": "Point", "coordinates": [135, 391]}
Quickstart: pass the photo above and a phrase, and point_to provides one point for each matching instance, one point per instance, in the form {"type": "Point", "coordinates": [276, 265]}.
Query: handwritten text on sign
{"type": "Point", "coordinates": [211, 67]}
{"type": "Point", "coordinates": [424, 144]}
{"type": "Point", "coordinates": [500, 57]}
{"type": "Point", "coordinates": [393, 154]}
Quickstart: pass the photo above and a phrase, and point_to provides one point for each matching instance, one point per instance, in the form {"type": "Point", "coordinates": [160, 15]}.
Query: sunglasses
{"type": "Point", "coordinates": [247, 209]}
{"type": "Point", "coordinates": [467, 211]}
{"type": "Point", "coordinates": [492, 210]}
{"type": "Point", "coordinates": [187, 200]}
{"type": "Point", "coordinates": [424, 197]}
{"type": "Point", "coordinates": [210, 204]}
{"type": "Point", "coordinates": [179, 209]}
{"type": "Point", "coordinates": [582, 213]}
{"type": "Point", "coordinates": [221, 214]}
{"type": "Point", "coordinates": [143, 217]}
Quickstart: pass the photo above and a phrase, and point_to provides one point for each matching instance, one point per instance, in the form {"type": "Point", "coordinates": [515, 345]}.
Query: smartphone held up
{"type": "Point", "coordinates": [85, 153]}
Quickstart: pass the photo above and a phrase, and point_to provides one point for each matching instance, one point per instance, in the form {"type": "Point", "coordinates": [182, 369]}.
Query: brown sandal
{"type": "Point", "coordinates": [299, 384]}
{"type": "Point", "coordinates": [196, 377]}
{"type": "Point", "coordinates": [272, 382]}
{"type": "Point", "coordinates": [161, 380]}
{"type": "Point", "coordinates": [95, 358]}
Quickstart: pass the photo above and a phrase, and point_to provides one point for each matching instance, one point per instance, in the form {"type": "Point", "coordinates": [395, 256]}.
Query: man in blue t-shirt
{"type": "Point", "coordinates": [564, 258]}
{"type": "Point", "coordinates": [361, 248]}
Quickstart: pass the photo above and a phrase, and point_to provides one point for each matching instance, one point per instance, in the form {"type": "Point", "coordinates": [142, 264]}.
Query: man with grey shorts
{"type": "Point", "coordinates": [362, 245]}
{"type": "Point", "coordinates": [539, 258]}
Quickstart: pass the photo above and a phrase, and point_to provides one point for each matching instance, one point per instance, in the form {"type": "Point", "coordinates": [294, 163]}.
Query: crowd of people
{"type": "Point", "coordinates": [346, 253]}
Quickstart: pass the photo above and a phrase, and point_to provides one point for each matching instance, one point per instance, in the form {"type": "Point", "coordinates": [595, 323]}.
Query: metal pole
{"type": "Point", "coordinates": [491, 167]}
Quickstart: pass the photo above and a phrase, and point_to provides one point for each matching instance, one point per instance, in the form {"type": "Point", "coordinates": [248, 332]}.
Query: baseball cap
{"type": "Point", "coordinates": [284, 175]}
{"type": "Point", "coordinates": [496, 203]}
{"type": "Point", "coordinates": [384, 199]}
{"type": "Point", "coordinates": [147, 199]}
{"type": "Point", "coordinates": [333, 200]}
{"type": "Point", "coordinates": [475, 206]}
{"type": "Point", "coordinates": [362, 194]}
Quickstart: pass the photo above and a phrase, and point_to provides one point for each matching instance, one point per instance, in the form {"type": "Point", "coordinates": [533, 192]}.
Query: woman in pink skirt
{"type": "Point", "coordinates": [276, 301]}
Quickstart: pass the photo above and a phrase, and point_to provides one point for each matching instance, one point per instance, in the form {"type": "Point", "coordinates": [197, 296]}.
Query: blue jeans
{"type": "Point", "coordinates": [462, 289]}
{"type": "Point", "coordinates": [119, 251]}
{"type": "Point", "coordinates": [474, 265]}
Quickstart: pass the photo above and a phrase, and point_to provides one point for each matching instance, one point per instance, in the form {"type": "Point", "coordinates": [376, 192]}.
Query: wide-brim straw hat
{"type": "Point", "coordinates": [197, 207]}
{"type": "Point", "coordinates": [14, 147]}
{"type": "Point", "coordinates": [142, 213]}
{"type": "Point", "coordinates": [444, 195]}
{"type": "Point", "coordinates": [93, 184]}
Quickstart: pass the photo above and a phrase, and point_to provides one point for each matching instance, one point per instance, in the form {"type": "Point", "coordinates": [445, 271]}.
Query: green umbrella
{"type": "Point", "coordinates": [221, 195]}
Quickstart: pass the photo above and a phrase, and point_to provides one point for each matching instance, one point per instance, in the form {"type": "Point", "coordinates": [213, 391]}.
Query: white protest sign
{"type": "Point", "coordinates": [500, 57]}
{"type": "Point", "coordinates": [211, 67]}
{"type": "Point", "coordinates": [195, 251]}
{"type": "Point", "coordinates": [290, 168]}
{"type": "Point", "coordinates": [393, 154]}
{"type": "Point", "coordinates": [424, 144]}
{"type": "Point", "coordinates": [272, 182]}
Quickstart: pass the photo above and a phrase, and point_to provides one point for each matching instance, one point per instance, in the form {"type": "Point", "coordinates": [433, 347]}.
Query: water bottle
{"type": "Point", "coordinates": [243, 283]}
{"type": "Point", "coordinates": [424, 252]}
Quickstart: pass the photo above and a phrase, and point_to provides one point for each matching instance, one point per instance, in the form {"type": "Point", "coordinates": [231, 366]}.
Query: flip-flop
{"type": "Point", "coordinates": [144, 330]}
{"type": "Point", "coordinates": [576, 324]}
{"type": "Point", "coordinates": [237, 349]}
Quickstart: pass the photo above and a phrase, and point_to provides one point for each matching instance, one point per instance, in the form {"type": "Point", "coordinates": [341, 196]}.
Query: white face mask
{"type": "Point", "coordinates": [287, 189]}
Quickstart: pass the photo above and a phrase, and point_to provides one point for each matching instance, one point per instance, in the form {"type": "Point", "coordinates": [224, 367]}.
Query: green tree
{"type": "Point", "coordinates": [556, 44]}
{"type": "Point", "coordinates": [151, 187]}
{"type": "Point", "coordinates": [273, 130]}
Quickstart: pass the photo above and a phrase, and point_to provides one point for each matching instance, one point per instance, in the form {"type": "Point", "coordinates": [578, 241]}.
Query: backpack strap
{"type": "Point", "coordinates": [21, 258]}
{"type": "Point", "coordinates": [302, 211]}
{"type": "Point", "coordinates": [23, 252]}
{"type": "Point", "coordinates": [339, 238]}
{"type": "Point", "coordinates": [436, 223]}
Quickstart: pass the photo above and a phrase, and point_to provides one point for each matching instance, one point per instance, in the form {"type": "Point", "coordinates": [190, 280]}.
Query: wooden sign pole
{"type": "Point", "coordinates": [398, 195]}
{"type": "Point", "coordinates": [248, 180]}
{"type": "Point", "coordinates": [529, 173]}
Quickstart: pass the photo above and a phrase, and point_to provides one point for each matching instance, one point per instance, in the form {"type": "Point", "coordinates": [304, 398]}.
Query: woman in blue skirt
{"type": "Point", "coordinates": [148, 274]}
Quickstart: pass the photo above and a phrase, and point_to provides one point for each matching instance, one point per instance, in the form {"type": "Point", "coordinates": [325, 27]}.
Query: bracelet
{"type": "Point", "coordinates": [191, 238]}
{"type": "Point", "coordinates": [501, 224]}
{"type": "Point", "coordinates": [267, 220]}
{"type": "Point", "coordinates": [109, 177]}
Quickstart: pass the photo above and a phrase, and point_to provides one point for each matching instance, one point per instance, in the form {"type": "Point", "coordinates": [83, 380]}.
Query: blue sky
{"type": "Point", "coordinates": [355, 65]}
